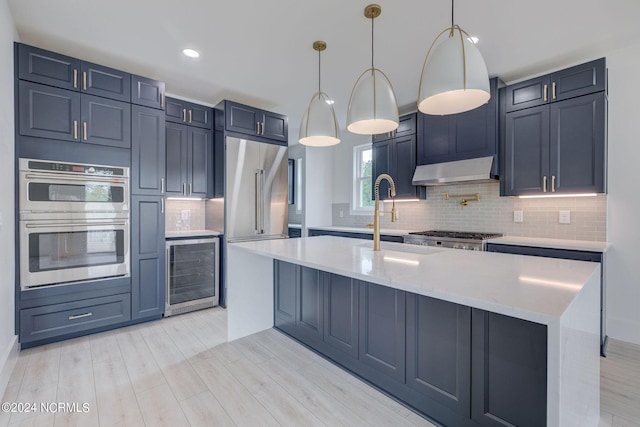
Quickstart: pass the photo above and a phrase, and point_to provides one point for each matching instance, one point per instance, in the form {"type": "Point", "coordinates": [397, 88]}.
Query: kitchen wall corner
{"type": "Point", "coordinates": [214, 215]}
{"type": "Point", "coordinates": [185, 215]}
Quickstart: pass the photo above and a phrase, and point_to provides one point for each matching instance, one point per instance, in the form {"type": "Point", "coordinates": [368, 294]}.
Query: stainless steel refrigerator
{"type": "Point", "coordinates": [256, 190]}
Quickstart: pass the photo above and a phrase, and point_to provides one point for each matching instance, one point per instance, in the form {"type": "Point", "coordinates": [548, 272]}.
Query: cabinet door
{"type": "Point", "coordinates": [526, 152]}
{"type": "Point", "coordinates": [175, 110]}
{"type": "Point", "coordinates": [106, 82]}
{"type": "Point", "coordinates": [199, 161]}
{"type": "Point", "coordinates": [580, 80]}
{"type": "Point", "coordinates": [147, 92]}
{"type": "Point", "coordinates": [218, 164]}
{"type": "Point", "coordinates": [382, 160]}
{"type": "Point", "coordinates": [530, 93]}
{"type": "Point", "coordinates": [241, 118]}
{"type": "Point", "coordinates": [176, 159]}
{"type": "Point", "coordinates": [310, 300]}
{"type": "Point", "coordinates": [199, 116]}
{"type": "Point", "coordinates": [439, 351]}
{"type": "Point", "coordinates": [285, 294]}
{"type": "Point", "coordinates": [341, 315]}
{"type": "Point", "coordinates": [49, 112]}
{"type": "Point", "coordinates": [404, 165]}
{"type": "Point", "coordinates": [105, 121]}
{"type": "Point", "coordinates": [508, 371]}
{"type": "Point", "coordinates": [147, 151]}
{"type": "Point", "coordinates": [578, 144]}
{"type": "Point", "coordinates": [42, 66]}
{"type": "Point", "coordinates": [274, 126]}
{"type": "Point", "coordinates": [148, 272]}
{"type": "Point", "coordinates": [381, 339]}
{"type": "Point", "coordinates": [407, 126]}
{"type": "Point", "coordinates": [435, 136]}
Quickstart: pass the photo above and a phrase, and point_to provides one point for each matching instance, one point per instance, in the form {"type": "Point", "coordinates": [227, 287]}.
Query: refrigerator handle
{"type": "Point", "coordinates": [256, 194]}
{"type": "Point", "coordinates": [262, 201]}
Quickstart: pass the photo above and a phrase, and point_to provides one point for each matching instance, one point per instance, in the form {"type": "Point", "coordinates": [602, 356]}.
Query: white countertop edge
{"type": "Point", "coordinates": [541, 242]}
{"type": "Point", "coordinates": [385, 231]}
{"type": "Point", "coordinates": [294, 226]}
{"type": "Point", "coordinates": [190, 233]}
{"type": "Point", "coordinates": [548, 319]}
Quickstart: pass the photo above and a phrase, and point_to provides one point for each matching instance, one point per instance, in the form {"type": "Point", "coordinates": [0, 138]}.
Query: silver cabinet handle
{"type": "Point", "coordinates": [75, 129]}
{"type": "Point", "coordinates": [162, 185]}
{"type": "Point", "coordinates": [75, 78]}
{"type": "Point", "coordinates": [546, 91]}
{"type": "Point", "coordinates": [84, 80]}
{"type": "Point", "coordinates": [553, 90]}
{"type": "Point", "coordinates": [162, 205]}
{"type": "Point", "coordinates": [73, 224]}
{"type": "Point", "coordinates": [184, 188]}
{"type": "Point", "coordinates": [544, 184]}
{"type": "Point", "coordinates": [257, 128]}
{"type": "Point", "coordinates": [161, 100]}
{"type": "Point", "coordinates": [190, 188]}
{"type": "Point", "coordinates": [184, 115]}
{"type": "Point", "coordinates": [262, 200]}
{"type": "Point", "coordinates": [80, 316]}
{"type": "Point", "coordinates": [553, 183]}
{"type": "Point", "coordinates": [190, 116]}
{"type": "Point", "coordinates": [84, 131]}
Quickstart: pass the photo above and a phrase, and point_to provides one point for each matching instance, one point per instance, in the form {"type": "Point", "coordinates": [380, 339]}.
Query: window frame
{"type": "Point", "coordinates": [357, 181]}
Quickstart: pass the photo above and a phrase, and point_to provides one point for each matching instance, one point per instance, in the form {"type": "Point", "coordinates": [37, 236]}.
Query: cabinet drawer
{"type": "Point", "coordinates": [60, 319]}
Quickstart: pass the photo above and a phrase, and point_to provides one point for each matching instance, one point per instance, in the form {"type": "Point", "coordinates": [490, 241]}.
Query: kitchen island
{"type": "Point", "coordinates": [467, 338]}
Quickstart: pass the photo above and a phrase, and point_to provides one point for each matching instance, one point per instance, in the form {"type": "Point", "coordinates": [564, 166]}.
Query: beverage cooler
{"type": "Point", "coordinates": [192, 274]}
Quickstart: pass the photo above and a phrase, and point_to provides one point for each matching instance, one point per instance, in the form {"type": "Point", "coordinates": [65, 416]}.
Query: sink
{"type": "Point", "coordinates": [401, 247]}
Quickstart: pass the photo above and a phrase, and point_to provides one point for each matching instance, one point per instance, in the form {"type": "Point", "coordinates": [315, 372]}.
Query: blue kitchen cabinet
{"type": "Point", "coordinates": [341, 319]}
{"type": "Point", "coordinates": [147, 92]}
{"type": "Point", "coordinates": [53, 113]}
{"type": "Point", "coordinates": [583, 79]}
{"type": "Point", "coordinates": [148, 268]}
{"type": "Point", "coordinates": [467, 135]}
{"type": "Point", "coordinates": [176, 158]}
{"type": "Point", "coordinates": [189, 161]}
{"type": "Point", "coordinates": [396, 156]}
{"type": "Point", "coordinates": [218, 164]}
{"type": "Point", "coordinates": [354, 235]}
{"type": "Point", "coordinates": [556, 148]}
{"type": "Point", "coordinates": [49, 68]}
{"type": "Point", "coordinates": [251, 121]}
{"type": "Point", "coordinates": [147, 151]}
{"type": "Point", "coordinates": [294, 232]}
{"type": "Point", "coordinates": [188, 113]}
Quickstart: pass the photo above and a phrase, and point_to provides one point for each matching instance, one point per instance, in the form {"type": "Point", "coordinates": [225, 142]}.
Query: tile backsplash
{"type": "Point", "coordinates": [492, 214]}
{"type": "Point", "coordinates": [185, 215]}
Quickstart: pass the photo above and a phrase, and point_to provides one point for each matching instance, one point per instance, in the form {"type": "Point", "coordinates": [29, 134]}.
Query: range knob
{"type": "Point", "coordinates": [91, 169]}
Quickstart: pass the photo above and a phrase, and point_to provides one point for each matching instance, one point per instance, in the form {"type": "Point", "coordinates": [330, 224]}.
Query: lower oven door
{"type": "Point", "coordinates": [61, 251]}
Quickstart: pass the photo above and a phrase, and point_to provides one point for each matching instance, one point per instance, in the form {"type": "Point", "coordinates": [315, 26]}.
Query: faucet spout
{"type": "Point", "coordinates": [376, 213]}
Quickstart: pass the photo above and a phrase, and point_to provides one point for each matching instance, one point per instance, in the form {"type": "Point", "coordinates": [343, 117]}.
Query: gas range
{"type": "Point", "coordinates": [450, 239]}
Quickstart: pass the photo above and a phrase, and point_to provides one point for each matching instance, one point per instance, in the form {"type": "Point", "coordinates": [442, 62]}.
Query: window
{"type": "Point", "coordinates": [362, 171]}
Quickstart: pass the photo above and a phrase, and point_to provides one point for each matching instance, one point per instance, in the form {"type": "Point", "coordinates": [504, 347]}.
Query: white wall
{"type": "Point", "coordinates": [318, 185]}
{"type": "Point", "coordinates": [7, 253]}
{"type": "Point", "coordinates": [623, 268]}
{"type": "Point", "coordinates": [343, 165]}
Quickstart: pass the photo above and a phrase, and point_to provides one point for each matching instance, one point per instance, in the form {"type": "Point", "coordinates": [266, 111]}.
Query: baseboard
{"type": "Point", "coordinates": [623, 330]}
{"type": "Point", "coordinates": [7, 363]}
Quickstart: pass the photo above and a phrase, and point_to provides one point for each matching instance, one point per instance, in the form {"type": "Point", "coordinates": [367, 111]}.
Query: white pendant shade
{"type": "Point", "coordinates": [373, 108]}
{"type": "Point", "coordinates": [319, 127]}
{"type": "Point", "coordinates": [444, 87]}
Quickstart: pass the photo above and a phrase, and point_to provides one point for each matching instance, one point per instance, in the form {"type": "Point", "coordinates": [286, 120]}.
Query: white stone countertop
{"type": "Point", "coordinates": [294, 226]}
{"type": "Point", "coordinates": [578, 245]}
{"type": "Point", "coordinates": [365, 230]}
{"type": "Point", "coordinates": [190, 233]}
{"type": "Point", "coordinates": [532, 288]}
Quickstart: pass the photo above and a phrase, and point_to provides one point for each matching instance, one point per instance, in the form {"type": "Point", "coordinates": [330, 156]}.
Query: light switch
{"type": "Point", "coordinates": [565, 217]}
{"type": "Point", "coordinates": [518, 216]}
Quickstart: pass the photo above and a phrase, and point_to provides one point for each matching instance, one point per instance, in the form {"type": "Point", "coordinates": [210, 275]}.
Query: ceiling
{"type": "Point", "coordinates": [259, 52]}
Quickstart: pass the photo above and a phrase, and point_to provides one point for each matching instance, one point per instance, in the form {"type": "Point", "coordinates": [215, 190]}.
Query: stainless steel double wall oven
{"type": "Point", "coordinates": [74, 222]}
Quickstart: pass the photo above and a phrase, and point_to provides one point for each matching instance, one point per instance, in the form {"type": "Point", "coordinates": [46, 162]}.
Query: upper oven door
{"type": "Point", "coordinates": [42, 192]}
{"type": "Point", "coordinates": [61, 251]}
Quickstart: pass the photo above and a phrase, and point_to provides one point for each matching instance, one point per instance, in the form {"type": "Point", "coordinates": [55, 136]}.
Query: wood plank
{"type": "Point", "coordinates": [160, 407]}
{"type": "Point", "coordinates": [142, 368]}
{"type": "Point", "coordinates": [117, 404]}
{"type": "Point", "coordinates": [204, 410]}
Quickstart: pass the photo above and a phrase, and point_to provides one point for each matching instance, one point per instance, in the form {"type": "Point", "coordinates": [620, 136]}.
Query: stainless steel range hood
{"type": "Point", "coordinates": [478, 169]}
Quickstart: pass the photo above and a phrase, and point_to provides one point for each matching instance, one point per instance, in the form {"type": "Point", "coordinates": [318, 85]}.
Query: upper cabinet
{"type": "Point", "coordinates": [41, 66]}
{"type": "Point", "coordinates": [461, 136]}
{"type": "Point", "coordinates": [559, 143]}
{"type": "Point", "coordinates": [564, 84]}
{"type": "Point", "coordinates": [189, 161]}
{"type": "Point", "coordinates": [147, 151]}
{"type": "Point", "coordinates": [255, 122]}
{"type": "Point", "coordinates": [396, 156]}
{"type": "Point", "coordinates": [188, 113]}
{"type": "Point", "coordinates": [147, 92]}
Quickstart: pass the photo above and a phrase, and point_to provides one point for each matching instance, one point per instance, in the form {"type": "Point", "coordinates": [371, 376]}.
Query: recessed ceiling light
{"type": "Point", "coordinates": [329, 101]}
{"type": "Point", "coordinates": [190, 53]}
{"type": "Point", "coordinates": [473, 39]}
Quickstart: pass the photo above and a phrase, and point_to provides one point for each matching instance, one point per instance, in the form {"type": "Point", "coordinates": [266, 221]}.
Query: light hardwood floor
{"type": "Point", "coordinates": [180, 371]}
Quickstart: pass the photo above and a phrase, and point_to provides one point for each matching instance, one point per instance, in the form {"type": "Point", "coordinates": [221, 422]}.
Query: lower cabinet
{"type": "Point", "coordinates": [355, 235]}
{"type": "Point", "coordinates": [148, 274]}
{"type": "Point", "coordinates": [457, 365]}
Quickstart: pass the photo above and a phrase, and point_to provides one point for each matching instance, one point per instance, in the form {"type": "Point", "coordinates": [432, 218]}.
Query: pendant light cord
{"type": "Point", "coordinates": [452, 12]}
{"type": "Point", "coordinates": [319, 74]}
{"type": "Point", "coordinates": [372, 18]}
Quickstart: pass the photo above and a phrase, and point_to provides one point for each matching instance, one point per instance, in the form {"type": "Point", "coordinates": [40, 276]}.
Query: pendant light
{"type": "Point", "coordinates": [454, 76]}
{"type": "Point", "coordinates": [319, 127]}
{"type": "Point", "coordinates": [373, 107]}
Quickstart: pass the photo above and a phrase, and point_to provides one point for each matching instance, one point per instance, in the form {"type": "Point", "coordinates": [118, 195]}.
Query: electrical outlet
{"type": "Point", "coordinates": [397, 214]}
{"type": "Point", "coordinates": [341, 214]}
{"type": "Point", "coordinates": [518, 216]}
{"type": "Point", "coordinates": [185, 214]}
{"type": "Point", "coordinates": [564, 217]}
